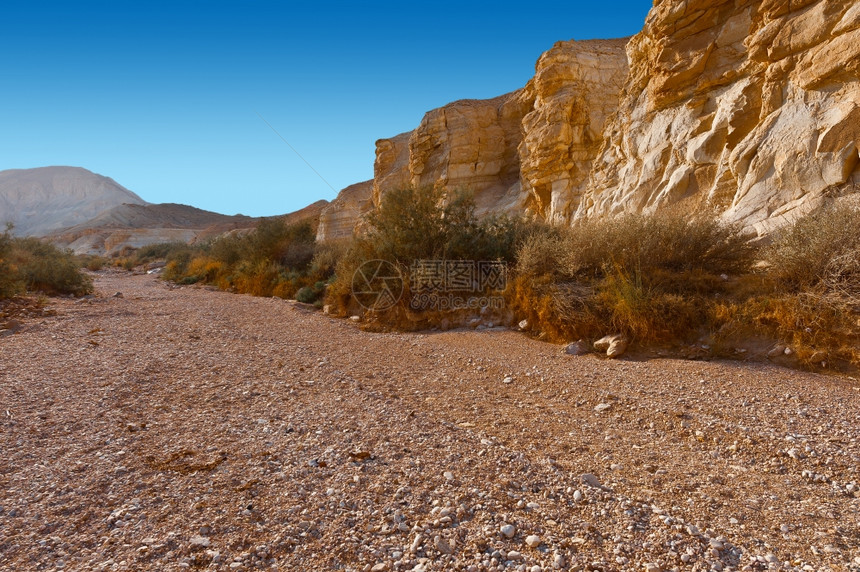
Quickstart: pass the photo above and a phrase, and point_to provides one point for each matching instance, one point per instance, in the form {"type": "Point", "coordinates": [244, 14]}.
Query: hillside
{"type": "Point", "coordinates": [136, 226]}
{"type": "Point", "coordinates": [43, 200]}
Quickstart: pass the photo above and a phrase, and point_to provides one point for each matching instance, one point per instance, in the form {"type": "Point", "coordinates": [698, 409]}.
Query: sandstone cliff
{"type": "Point", "coordinates": [751, 109]}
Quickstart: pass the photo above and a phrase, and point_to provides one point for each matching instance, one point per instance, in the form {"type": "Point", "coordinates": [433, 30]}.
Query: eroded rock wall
{"type": "Point", "coordinates": [749, 108]}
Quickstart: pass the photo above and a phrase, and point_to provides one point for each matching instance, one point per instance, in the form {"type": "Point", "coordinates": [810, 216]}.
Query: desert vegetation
{"type": "Point", "coordinates": [275, 259]}
{"type": "Point", "coordinates": [692, 284]}
{"type": "Point", "coordinates": [32, 265]}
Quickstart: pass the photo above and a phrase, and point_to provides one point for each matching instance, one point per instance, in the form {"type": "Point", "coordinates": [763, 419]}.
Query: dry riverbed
{"type": "Point", "coordinates": [181, 428]}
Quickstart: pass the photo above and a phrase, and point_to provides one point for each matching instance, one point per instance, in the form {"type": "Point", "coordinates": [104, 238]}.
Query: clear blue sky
{"type": "Point", "coordinates": [163, 96]}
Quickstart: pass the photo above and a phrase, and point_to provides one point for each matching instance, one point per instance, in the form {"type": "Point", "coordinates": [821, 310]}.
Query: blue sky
{"type": "Point", "coordinates": [164, 97]}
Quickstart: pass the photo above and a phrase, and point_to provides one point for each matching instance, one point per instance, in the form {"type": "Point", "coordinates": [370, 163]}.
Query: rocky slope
{"type": "Point", "coordinates": [40, 201]}
{"type": "Point", "coordinates": [136, 226]}
{"type": "Point", "coordinates": [749, 108]}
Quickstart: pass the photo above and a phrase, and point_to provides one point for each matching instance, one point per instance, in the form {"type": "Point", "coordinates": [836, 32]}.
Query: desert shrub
{"type": "Point", "coordinates": [10, 281]}
{"type": "Point", "coordinates": [275, 259]}
{"type": "Point", "coordinates": [92, 262]}
{"type": "Point", "coordinates": [819, 250]}
{"type": "Point", "coordinates": [423, 224]}
{"type": "Point", "coordinates": [650, 277]}
{"type": "Point", "coordinates": [41, 266]}
{"type": "Point", "coordinates": [814, 301]}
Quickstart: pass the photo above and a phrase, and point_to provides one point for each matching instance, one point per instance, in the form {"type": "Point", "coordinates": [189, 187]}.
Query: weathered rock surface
{"type": "Point", "coordinates": [577, 87]}
{"type": "Point", "coordinates": [339, 217]}
{"type": "Point", "coordinates": [751, 109]}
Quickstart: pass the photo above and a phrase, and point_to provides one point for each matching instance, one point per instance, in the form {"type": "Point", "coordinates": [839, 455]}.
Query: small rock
{"type": "Point", "coordinates": [601, 407]}
{"type": "Point", "coordinates": [558, 561]}
{"type": "Point", "coordinates": [449, 476]}
{"type": "Point", "coordinates": [776, 351]}
{"type": "Point", "coordinates": [118, 295]}
{"type": "Point", "coordinates": [201, 541]}
{"type": "Point", "coordinates": [523, 325]}
{"type": "Point", "coordinates": [533, 540]}
{"type": "Point", "coordinates": [653, 567]}
{"type": "Point", "coordinates": [381, 567]}
{"type": "Point", "coordinates": [508, 530]}
{"type": "Point", "coordinates": [508, 379]}
{"type": "Point", "coordinates": [590, 480]}
{"type": "Point", "coordinates": [577, 496]}
{"type": "Point", "coordinates": [355, 318]}
{"type": "Point", "coordinates": [514, 555]}
{"type": "Point", "coordinates": [443, 545]}
{"type": "Point", "coordinates": [614, 346]}
{"type": "Point", "coordinates": [578, 348]}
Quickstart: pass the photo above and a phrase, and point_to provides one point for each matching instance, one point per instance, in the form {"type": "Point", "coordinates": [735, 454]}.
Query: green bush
{"type": "Point", "coordinates": [41, 266]}
{"type": "Point", "coordinates": [10, 281]}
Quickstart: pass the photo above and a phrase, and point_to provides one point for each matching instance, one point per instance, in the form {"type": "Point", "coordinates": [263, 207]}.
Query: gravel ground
{"type": "Point", "coordinates": [175, 428]}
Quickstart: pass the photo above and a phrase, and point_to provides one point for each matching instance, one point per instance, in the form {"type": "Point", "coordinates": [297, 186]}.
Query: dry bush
{"type": "Point", "coordinates": [422, 224]}
{"type": "Point", "coordinates": [650, 277]}
{"type": "Point", "coordinates": [814, 307]}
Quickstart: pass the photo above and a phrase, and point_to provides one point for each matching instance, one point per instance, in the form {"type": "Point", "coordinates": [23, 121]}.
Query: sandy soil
{"type": "Point", "coordinates": [176, 428]}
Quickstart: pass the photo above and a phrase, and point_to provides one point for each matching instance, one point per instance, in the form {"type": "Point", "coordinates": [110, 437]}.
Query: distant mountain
{"type": "Point", "coordinates": [92, 214]}
{"type": "Point", "coordinates": [41, 201]}
{"type": "Point", "coordinates": [135, 226]}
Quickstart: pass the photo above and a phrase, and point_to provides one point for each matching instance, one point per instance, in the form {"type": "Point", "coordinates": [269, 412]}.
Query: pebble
{"type": "Point", "coordinates": [558, 561]}
{"type": "Point", "coordinates": [533, 540]}
{"type": "Point", "coordinates": [590, 480]}
{"type": "Point", "coordinates": [508, 379]}
{"type": "Point", "coordinates": [514, 555]}
{"type": "Point", "coordinates": [653, 567]}
{"type": "Point", "coordinates": [508, 530]}
{"type": "Point", "coordinates": [601, 407]}
{"type": "Point", "coordinates": [449, 476]}
{"type": "Point", "coordinates": [577, 496]}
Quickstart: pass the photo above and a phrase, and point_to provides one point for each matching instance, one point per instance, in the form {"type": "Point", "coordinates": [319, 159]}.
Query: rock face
{"type": "Point", "coordinates": [339, 218]}
{"type": "Point", "coordinates": [750, 109]}
{"type": "Point", "coordinates": [39, 201]}
{"type": "Point", "coordinates": [577, 87]}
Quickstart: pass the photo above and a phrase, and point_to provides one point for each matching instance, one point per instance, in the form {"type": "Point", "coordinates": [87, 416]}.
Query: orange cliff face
{"type": "Point", "coordinates": [751, 109]}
